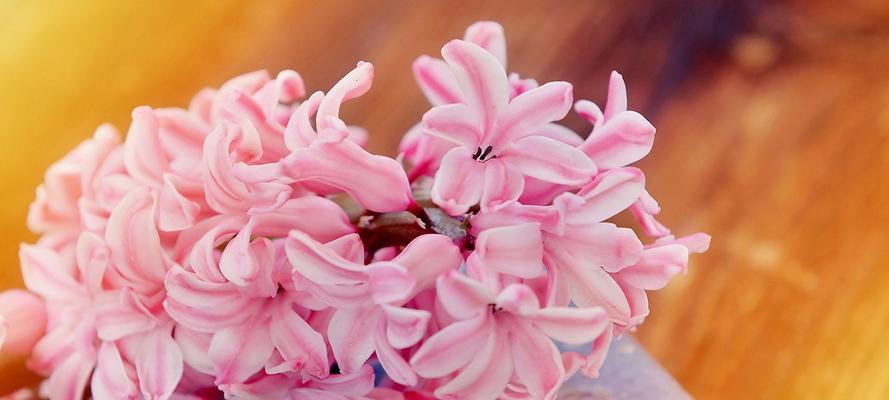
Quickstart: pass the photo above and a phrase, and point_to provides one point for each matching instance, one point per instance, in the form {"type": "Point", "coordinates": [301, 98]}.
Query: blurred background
{"type": "Point", "coordinates": [773, 136]}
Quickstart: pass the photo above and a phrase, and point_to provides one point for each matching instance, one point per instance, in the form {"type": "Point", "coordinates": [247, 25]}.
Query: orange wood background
{"type": "Point", "coordinates": [773, 136]}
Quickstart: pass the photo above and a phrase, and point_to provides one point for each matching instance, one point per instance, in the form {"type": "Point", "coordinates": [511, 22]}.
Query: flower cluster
{"type": "Point", "coordinates": [249, 247]}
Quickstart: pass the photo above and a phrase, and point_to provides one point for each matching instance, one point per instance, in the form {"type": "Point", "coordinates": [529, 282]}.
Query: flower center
{"type": "Point", "coordinates": [482, 156]}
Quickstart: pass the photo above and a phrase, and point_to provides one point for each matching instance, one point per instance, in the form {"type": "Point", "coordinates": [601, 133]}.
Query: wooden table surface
{"type": "Point", "coordinates": [773, 136]}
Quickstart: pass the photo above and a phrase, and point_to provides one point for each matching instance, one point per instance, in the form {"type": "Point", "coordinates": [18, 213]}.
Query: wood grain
{"type": "Point", "coordinates": [773, 136]}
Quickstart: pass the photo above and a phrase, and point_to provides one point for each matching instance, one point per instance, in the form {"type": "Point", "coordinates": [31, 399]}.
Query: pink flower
{"type": "Point", "coordinates": [502, 336]}
{"type": "Point", "coordinates": [371, 317]}
{"type": "Point", "coordinates": [497, 139]}
{"type": "Point", "coordinates": [249, 247]}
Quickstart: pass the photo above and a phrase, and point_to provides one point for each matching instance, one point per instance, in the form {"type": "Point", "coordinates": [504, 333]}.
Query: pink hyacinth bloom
{"type": "Point", "coordinates": [370, 317]}
{"type": "Point", "coordinates": [621, 137]}
{"type": "Point", "coordinates": [249, 247]}
{"type": "Point", "coordinates": [503, 336]}
{"type": "Point", "coordinates": [498, 140]}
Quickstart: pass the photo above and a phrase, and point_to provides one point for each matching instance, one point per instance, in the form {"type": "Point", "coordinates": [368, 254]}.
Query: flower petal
{"type": "Point", "coordinates": [518, 299]}
{"type": "Point", "coordinates": [596, 245]}
{"type": "Point", "coordinates": [436, 81]}
{"type": "Point", "coordinates": [452, 347]}
{"type": "Point", "coordinates": [110, 379]}
{"type": "Point", "coordinates": [299, 344]}
{"type": "Point", "coordinates": [351, 339]}
{"type": "Point", "coordinates": [550, 160]}
{"type": "Point", "coordinates": [239, 352]}
{"type": "Point", "coordinates": [572, 325]}
{"type": "Point", "coordinates": [459, 182]}
{"type": "Point", "coordinates": [424, 269]}
{"type": "Point", "coordinates": [69, 379]}
{"type": "Point", "coordinates": [622, 140]}
{"type": "Point", "coordinates": [356, 83]}
{"type": "Point", "coordinates": [481, 78]}
{"type": "Point", "coordinates": [455, 123]}
{"type": "Point", "coordinates": [531, 110]}
{"type": "Point", "coordinates": [538, 362]}
{"type": "Point", "coordinates": [393, 363]}
{"type": "Point", "coordinates": [489, 36]}
{"type": "Point", "coordinates": [405, 326]}
{"type": "Point", "coordinates": [134, 242]}
{"type": "Point", "coordinates": [610, 193]}
{"type": "Point", "coordinates": [320, 264]}
{"type": "Point", "coordinates": [377, 183]}
{"type": "Point", "coordinates": [461, 296]}
{"type": "Point", "coordinates": [656, 267]}
{"type": "Point", "coordinates": [159, 364]}
{"type": "Point", "coordinates": [617, 96]}
{"type": "Point", "coordinates": [486, 375]}
{"type": "Point", "coordinates": [503, 184]}
{"type": "Point", "coordinates": [45, 275]}
{"type": "Point", "coordinates": [389, 282]}
{"type": "Point", "coordinates": [516, 250]}
{"type": "Point", "coordinates": [596, 358]}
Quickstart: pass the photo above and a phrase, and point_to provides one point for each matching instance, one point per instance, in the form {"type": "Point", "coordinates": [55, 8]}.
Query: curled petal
{"type": "Point", "coordinates": [194, 346]}
{"type": "Point", "coordinates": [393, 363]}
{"type": "Point", "coordinates": [111, 379]}
{"type": "Point", "coordinates": [124, 318]}
{"type": "Point", "coordinates": [436, 81]}
{"type": "Point", "coordinates": [205, 306]}
{"type": "Point", "coordinates": [44, 274]}
{"type": "Point", "coordinates": [144, 156]}
{"type": "Point", "coordinates": [487, 374]}
{"type": "Point", "coordinates": [299, 132]}
{"type": "Point", "coordinates": [378, 183]}
{"type": "Point", "coordinates": [572, 325]}
{"type": "Point", "coordinates": [644, 210]}
{"type": "Point", "coordinates": [530, 110]}
{"type": "Point", "coordinates": [459, 182]}
{"type": "Point", "coordinates": [351, 337]}
{"type": "Point", "coordinates": [617, 96]}
{"type": "Point", "coordinates": [597, 245]}
{"type": "Point", "coordinates": [175, 211]}
{"type": "Point", "coordinates": [656, 267]}
{"type": "Point", "coordinates": [452, 347]}
{"type": "Point", "coordinates": [518, 299]}
{"type": "Point", "coordinates": [454, 123]}
{"type": "Point", "coordinates": [610, 193]}
{"type": "Point", "coordinates": [239, 352]}
{"type": "Point", "coordinates": [515, 250]}
{"type": "Point", "coordinates": [405, 326]}
{"type": "Point", "coordinates": [503, 184]}
{"type": "Point", "coordinates": [389, 282]}
{"type": "Point", "coordinates": [69, 379]}
{"type": "Point", "coordinates": [92, 260]}
{"type": "Point", "coordinates": [550, 160]}
{"type": "Point", "coordinates": [159, 365]}
{"type": "Point", "coordinates": [481, 78]}
{"type": "Point", "coordinates": [489, 36]}
{"type": "Point", "coordinates": [134, 242]}
{"type": "Point", "coordinates": [354, 84]}
{"type": "Point", "coordinates": [623, 140]}
{"type": "Point", "coordinates": [299, 344]}
{"type": "Point", "coordinates": [424, 269]}
{"type": "Point", "coordinates": [320, 264]}
{"type": "Point", "coordinates": [462, 296]}
{"type": "Point", "coordinates": [593, 287]}
{"type": "Point", "coordinates": [538, 362]}
{"type": "Point", "coordinates": [596, 357]}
